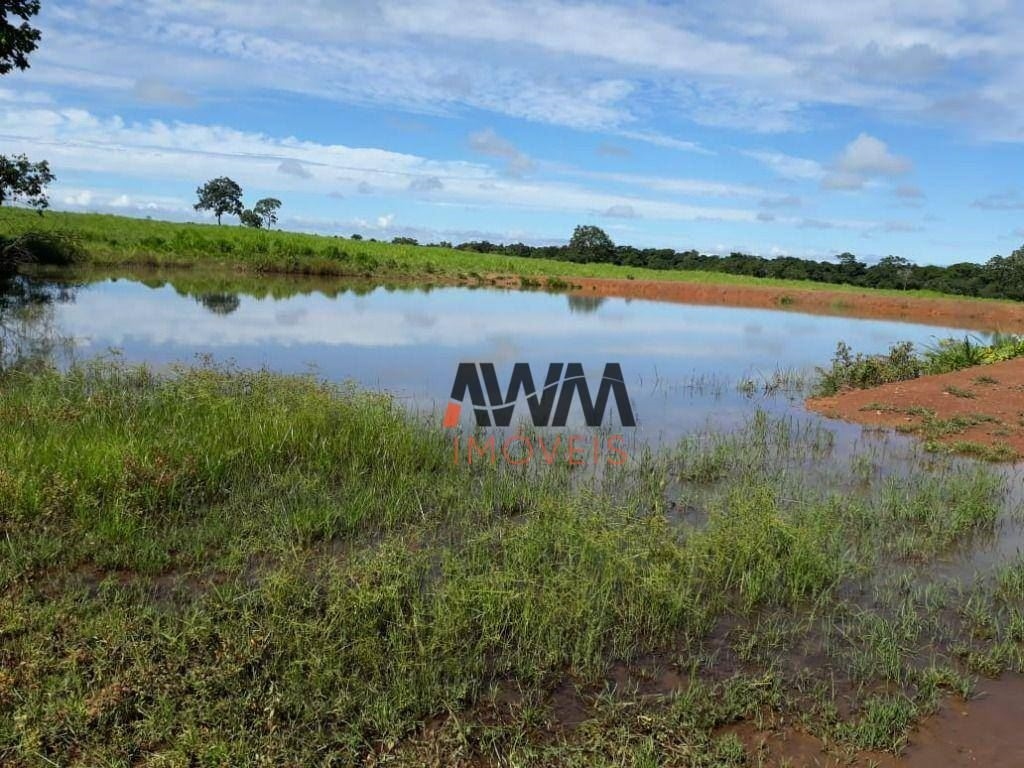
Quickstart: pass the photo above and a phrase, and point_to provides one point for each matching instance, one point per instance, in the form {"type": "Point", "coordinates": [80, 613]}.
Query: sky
{"type": "Point", "coordinates": [764, 126]}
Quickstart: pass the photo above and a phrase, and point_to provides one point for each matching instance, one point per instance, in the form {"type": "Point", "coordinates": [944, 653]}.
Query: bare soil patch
{"type": "Point", "coordinates": [967, 411]}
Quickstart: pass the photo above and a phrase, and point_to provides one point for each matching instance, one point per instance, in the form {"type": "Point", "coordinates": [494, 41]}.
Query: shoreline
{"type": "Point", "coordinates": [962, 312]}
{"type": "Point", "coordinates": [975, 411]}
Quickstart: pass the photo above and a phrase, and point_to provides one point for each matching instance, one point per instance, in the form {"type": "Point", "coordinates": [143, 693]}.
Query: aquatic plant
{"type": "Point", "coordinates": [211, 565]}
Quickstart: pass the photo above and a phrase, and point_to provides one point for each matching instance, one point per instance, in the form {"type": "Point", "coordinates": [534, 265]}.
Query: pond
{"type": "Point", "coordinates": [686, 367]}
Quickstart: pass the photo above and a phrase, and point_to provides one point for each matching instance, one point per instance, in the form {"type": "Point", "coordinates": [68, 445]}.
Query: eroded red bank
{"type": "Point", "coordinates": [950, 312]}
{"type": "Point", "coordinates": [980, 407]}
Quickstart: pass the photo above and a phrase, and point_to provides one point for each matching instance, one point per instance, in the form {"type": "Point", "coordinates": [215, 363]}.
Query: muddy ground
{"type": "Point", "coordinates": [986, 731]}
{"type": "Point", "coordinates": [980, 406]}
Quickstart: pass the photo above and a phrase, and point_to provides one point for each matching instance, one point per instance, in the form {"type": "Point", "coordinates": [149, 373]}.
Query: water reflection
{"type": "Point", "coordinates": [220, 303]}
{"type": "Point", "coordinates": [584, 304]}
{"type": "Point", "coordinates": [686, 366]}
{"type": "Point", "coordinates": [29, 332]}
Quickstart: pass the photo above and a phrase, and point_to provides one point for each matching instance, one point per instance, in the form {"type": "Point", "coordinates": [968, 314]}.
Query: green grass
{"type": "Point", "coordinates": [221, 567]}
{"type": "Point", "coordinates": [108, 240]}
{"type": "Point", "coordinates": [902, 363]}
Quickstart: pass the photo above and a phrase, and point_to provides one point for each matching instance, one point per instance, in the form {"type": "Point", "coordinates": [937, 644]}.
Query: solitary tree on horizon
{"type": "Point", "coordinates": [221, 195]}
{"type": "Point", "coordinates": [590, 243]}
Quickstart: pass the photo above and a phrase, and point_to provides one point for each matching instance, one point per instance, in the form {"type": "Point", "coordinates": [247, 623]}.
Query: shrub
{"type": "Point", "coordinates": [862, 371]}
{"type": "Point", "coordinates": [51, 248]}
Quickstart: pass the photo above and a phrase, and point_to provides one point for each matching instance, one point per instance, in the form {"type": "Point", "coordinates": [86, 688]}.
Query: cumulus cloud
{"type": "Point", "coordinates": [869, 156]}
{"type": "Point", "coordinates": [864, 158]}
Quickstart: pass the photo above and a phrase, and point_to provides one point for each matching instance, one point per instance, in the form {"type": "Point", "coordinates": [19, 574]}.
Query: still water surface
{"type": "Point", "coordinates": [686, 367]}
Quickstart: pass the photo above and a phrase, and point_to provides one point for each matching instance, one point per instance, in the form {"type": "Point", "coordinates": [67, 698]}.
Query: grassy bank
{"type": "Point", "coordinates": [214, 567]}
{"type": "Point", "coordinates": [903, 363]}
{"type": "Point", "coordinates": [120, 241]}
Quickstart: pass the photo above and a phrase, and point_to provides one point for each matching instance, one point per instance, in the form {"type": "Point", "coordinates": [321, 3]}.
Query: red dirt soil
{"type": "Point", "coordinates": [974, 314]}
{"type": "Point", "coordinates": [991, 394]}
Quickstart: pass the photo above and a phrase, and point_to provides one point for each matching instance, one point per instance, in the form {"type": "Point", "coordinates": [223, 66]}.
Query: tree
{"type": "Point", "coordinates": [17, 42]}
{"type": "Point", "coordinates": [250, 219]}
{"type": "Point", "coordinates": [591, 244]}
{"type": "Point", "coordinates": [19, 178]}
{"type": "Point", "coordinates": [25, 181]}
{"type": "Point", "coordinates": [849, 267]}
{"type": "Point", "coordinates": [266, 209]}
{"type": "Point", "coordinates": [220, 195]}
{"type": "Point", "coordinates": [894, 269]}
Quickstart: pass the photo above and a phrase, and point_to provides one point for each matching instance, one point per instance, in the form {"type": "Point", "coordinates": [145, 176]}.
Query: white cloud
{"type": "Point", "coordinates": [78, 140]}
{"type": "Point", "coordinates": [788, 166]}
{"type": "Point", "coordinates": [108, 201]}
{"type": "Point", "coordinates": [869, 156]}
{"type": "Point", "coordinates": [864, 158]}
{"type": "Point", "coordinates": [757, 65]}
{"type": "Point", "coordinates": [77, 199]}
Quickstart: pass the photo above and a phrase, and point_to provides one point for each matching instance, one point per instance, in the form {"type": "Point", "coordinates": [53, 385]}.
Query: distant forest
{"type": "Point", "coordinates": [1000, 277]}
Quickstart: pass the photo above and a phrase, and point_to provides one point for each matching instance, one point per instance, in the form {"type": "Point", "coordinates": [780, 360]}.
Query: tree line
{"type": "Point", "coordinates": [999, 277]}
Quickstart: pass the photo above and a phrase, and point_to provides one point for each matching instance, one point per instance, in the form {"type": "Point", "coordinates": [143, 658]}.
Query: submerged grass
{"type": "Point", "coordinates": [212, 566]}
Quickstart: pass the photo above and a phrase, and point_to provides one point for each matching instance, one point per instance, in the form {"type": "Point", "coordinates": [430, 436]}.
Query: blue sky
{"type": "Point", "coordinates": [767, 126]}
